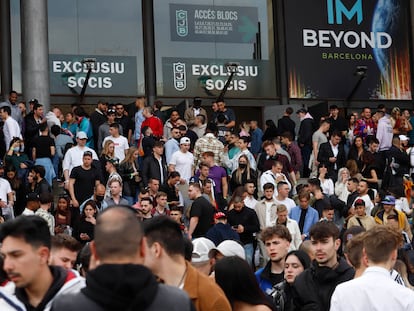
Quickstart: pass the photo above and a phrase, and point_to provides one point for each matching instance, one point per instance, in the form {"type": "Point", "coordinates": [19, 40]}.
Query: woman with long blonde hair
{"type": "Point", "coordinates": [108, 153]}
{"type": "Point", "coordinates": [243, 173]}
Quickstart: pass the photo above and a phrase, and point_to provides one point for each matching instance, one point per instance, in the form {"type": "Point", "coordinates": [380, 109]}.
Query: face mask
{"type": "Point", "coordinates": [16, 149]}
{"type": "Point", "coordinates": [100, 198]}
{"type": "Point", "coordinates": [21, 148]}
{"type": "Point", "coordinates": [242, 165]}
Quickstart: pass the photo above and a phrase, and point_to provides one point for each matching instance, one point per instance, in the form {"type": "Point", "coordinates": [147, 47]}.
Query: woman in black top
{"type": "Point", "coordinates": [84, 230]}
{"type": "Point", "coordinates": [236, 279]}
{"type": "Point", "coordinates": [242, 174]}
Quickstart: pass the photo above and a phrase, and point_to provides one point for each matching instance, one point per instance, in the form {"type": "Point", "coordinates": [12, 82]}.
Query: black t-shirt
{"type": "Point", "coordinates": [42, 145]}
{"type": "Point", "coordinates": [202, 209]}
{"type": "Point", "coordinates": [84, 182]}
{"type": "Point", "coordinates": [338, 125]}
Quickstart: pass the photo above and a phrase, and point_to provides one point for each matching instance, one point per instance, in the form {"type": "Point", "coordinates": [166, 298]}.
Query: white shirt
{"type": "Point", "coordinates": [335, 150]}
{"type": "Point", "coordinates": [402, 205]}
{"type": "Point", "coordinates": [368, 203]}
{"type": "Point", "coordinates": [28, 212]}
{"type": "Point", "coordinates": [327, 186]}
{"type": "Point", "coordinates": [74, 157]}
{"type": "Point", "coordinates": [5, 188]}
{"type": "Point", "coordinates": [269, 222]}
{"type": "Point", "coordinates": [270, 177]}
{"type": "Point", "coordinates": [11, 129]}
{"type": "Point", "coordinates": [121, 145]}
{"type": "Point", "coordinates": [288, 202]}
{"type": "Point", "coordinates": [373, 291]}
{"type": "Point", "coordinates": [250, 202]}
{"type": "Point", "coordinates": [294, 231]}
{"type": "Point", "coordinates": [183, 163]}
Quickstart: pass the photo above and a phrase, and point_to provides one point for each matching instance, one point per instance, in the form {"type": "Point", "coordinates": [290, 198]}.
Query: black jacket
{"type": "Point", "coordinates": [306, 129]}
{"type": "Point", "coordinates": [123, 287]}
{"type": "Point", "coordinates": [314, 287]}
{"type": "Point", "coordinates": [398, 164]}
{"type": "Point", "coordinates": [151, 169]}
{"type": "Point", "coordinates": [97, 119]}
{"type": "Point", "coordinates": [130, 183]}
{"type": "Point", "coordinates": [31, 129]}
{"type": "Point", "coordinates": [325, 152]}
{"type": "Point", "coordinates": [248, 219]}
{"type": "Point", "coordinates": [286, 124]}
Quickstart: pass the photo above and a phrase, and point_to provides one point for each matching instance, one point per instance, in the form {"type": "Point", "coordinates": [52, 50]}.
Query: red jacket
{"type": "Point", "coordinates": [155, 124]}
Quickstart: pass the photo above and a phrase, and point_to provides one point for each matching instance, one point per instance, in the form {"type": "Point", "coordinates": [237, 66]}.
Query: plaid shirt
{"type": "Point", "coordinates": [208, 143]}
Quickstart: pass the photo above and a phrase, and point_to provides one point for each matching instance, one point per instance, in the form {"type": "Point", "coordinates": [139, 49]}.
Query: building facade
{"type": "Point", "coordinates": [285, 52]}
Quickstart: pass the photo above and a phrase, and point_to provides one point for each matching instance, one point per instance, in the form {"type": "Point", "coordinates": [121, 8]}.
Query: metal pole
{"type": "Point", "coordinates": [85, 85]}
{"type": "Point", "coordinates": [280, 46]}
{"type": "Point", "coordinates": [149, 50]}
{"type": "Point", "coordinates": [5, 43]}
{"type": "Point", "coordinates": [35, 51]}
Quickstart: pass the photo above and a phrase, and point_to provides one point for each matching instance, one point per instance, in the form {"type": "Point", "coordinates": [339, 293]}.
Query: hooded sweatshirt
{"type": "Point", "coordinates": [64, 281]}
{"type": "Point", "coordinates": [114, 287]}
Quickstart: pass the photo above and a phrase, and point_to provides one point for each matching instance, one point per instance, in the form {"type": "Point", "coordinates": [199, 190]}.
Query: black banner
{"type": "Point", "coordinates": [331, 42]}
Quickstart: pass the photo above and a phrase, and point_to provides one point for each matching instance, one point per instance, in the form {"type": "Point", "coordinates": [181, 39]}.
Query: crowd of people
{"type": "Point", "coordinates": [185, 210]}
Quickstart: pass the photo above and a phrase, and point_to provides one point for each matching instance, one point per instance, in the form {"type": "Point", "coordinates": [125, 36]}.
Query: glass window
{"type": "Point", "coordinates": [109, 32]}
{"type": "Point", "coordinates": [195, 39]}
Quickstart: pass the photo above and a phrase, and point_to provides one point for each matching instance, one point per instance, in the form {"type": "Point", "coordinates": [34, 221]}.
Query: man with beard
{"type": "Point", "coordinates": [173, 144]}
{"type": "Point", "coordinates": [313, 288]}
{"type": "Point", "coordinates": [25, 248]}
{"type": "Point", "coordinates": [277, 242]}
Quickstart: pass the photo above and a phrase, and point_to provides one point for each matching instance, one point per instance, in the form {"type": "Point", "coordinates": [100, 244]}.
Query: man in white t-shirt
{"type": "Point", "coordinates": [10, 128]}
{"type": "Point", "coordinates": [250, 188]}
{"type": "Point", "coordinates": [282, 196]}
{"type": "Point", "coordinates": [74, 156]}
{"type": "Point", "coordinates": [6, 196]}
{"type": "Point", "coordinates": [120, 142]}
{"type": "Point", "coordinates": [182, 160]}
{"type": "Point", "coordinates": [363, 194]}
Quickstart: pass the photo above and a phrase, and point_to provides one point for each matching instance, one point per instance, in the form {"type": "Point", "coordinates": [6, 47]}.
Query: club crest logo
{"type": "Point", "coordinates": [181, 22]}
{"type": "Point", "coordinates": [180, 82]}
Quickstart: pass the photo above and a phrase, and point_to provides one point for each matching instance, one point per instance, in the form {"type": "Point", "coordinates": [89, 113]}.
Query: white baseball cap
{"type": "Point", "coordinates": [201, 249]}
{"type": "Point", "coordinates": [228, 248]}
{"type": "Point", "coordinates": [184, 140]}
{"type": "Point", "coordinates": [403, 137]}
{"type": "Point", "coordinates": [81, 135]}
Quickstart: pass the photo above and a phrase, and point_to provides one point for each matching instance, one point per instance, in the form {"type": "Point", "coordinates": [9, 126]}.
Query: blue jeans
{"type": "Point", "coordinates": [249, 251]}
